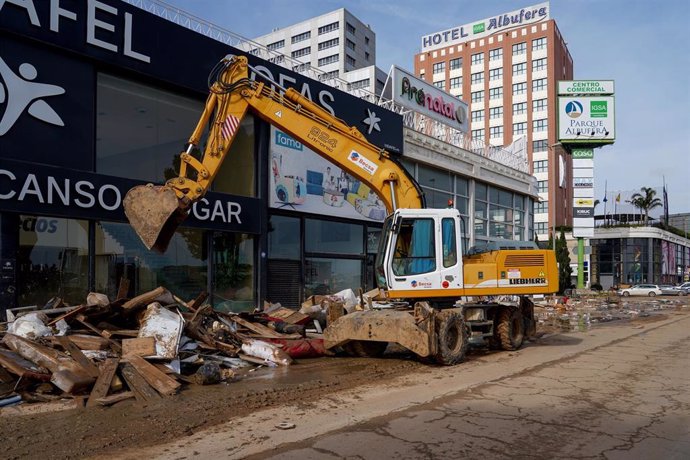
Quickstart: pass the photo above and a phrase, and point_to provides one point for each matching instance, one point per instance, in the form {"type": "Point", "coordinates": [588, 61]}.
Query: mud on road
{"type": "Point", "coordinates": [130, 424]}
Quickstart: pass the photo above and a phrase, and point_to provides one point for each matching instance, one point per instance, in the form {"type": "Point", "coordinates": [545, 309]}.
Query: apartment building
{"type": "Point", "coordinates": [507, 67]}
{"type": "Point", "coordinates": [338, 43]}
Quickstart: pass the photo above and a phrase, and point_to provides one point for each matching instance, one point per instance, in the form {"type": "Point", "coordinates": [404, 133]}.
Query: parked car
{"type": "Point", "coordinates": [684, 287]}
{"type": "Point", "coordinates": [641, 289]}
{"type": "Point", "coordinates": [667, 289]}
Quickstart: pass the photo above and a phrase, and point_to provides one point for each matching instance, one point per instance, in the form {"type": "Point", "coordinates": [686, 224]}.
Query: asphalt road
{"type": "Point", "coordinates": [612, 392]}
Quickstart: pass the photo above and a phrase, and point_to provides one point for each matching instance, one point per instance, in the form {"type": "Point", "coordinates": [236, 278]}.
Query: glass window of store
{"type": "Point", "coordinates": [233, 272]}
{"type": "Point", "coordinates": [141, 130]}
{"type": "Point", "coordinates": [481, 211]}
{"type": "Point", "coordinates": [284, 267]}
{"type": "Point", "coordinates": [52, 260]}
{"type": "Point", "coordinates": [121, 254]}
{"type": "Point", "coordinates": [334, 256]}
{"type": "Point", "coordinates": [500, 213]}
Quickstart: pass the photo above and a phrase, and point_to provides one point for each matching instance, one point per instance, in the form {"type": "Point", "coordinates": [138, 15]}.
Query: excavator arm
{"type": "Point", "coordinates": [155, 211]}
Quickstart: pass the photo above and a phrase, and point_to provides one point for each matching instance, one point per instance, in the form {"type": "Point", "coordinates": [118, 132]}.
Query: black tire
{"type": "Point", "coordinates": [652, 294]}
{"type": "Point", "coordinates": [365, 348]}
{"type": "Point", "coordinates": [626, 294]}
{"type": "Point", "coordinates": [510, 328]}
{"type": "Point", "coordinates": [452, 338]}
{"type": "Point", "coordinates": [681, 293]}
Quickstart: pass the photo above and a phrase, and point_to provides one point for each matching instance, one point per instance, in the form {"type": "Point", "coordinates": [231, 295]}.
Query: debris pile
{"type": "Point", "coordinates": [147, 347]}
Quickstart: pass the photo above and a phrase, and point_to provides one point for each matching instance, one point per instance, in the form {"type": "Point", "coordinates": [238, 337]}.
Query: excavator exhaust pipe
{"type": "Point", "coordinates": [154, 212]}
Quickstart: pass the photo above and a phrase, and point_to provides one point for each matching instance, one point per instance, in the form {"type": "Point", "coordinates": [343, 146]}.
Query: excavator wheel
{"type": "Point", "coordinates": [154, 212]}
{"type": "Point", "coordinates": [510, 328]}
{"type": "Point", "coordinates": [452, 336]}
{"type": "Point", "coordinates": [365, 348]}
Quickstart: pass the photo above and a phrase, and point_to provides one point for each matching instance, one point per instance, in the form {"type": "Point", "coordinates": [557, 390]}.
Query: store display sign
{"type": "Point", "coordinates": [45, 190]}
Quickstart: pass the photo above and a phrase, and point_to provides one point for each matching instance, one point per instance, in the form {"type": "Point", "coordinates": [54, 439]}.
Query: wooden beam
{"type": "Point", "coordinates": [142, 390]}
{"type": "Point", "coordinates": [116, 398]}
{"type": "Point", "coordinates": [164, 384]}
{"type": "Point", "coordinates": [100, 389]}
{"type": "Point", "coordinates": [68, 315]}
{"type": "Point", "coordinates": [76, 354]}
{"type": "Point", "coordinates": [142, 346]}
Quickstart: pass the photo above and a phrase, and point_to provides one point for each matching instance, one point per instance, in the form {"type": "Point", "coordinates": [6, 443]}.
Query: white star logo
{"type": "Point", "coordinates": [372, 121]}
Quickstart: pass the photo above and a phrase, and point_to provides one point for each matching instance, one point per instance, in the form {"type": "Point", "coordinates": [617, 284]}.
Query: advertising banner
{"type": "Point", "coordinates": [586, 119]}
{"type": "Point", "coordinates": [583, 182]}
{"type": "Point", "coordinates": [302, 180]}
{"type": "Point", "coordinates": [591, 87]}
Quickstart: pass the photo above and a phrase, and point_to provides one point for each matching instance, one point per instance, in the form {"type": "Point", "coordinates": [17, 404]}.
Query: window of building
{"type": "Point", "coordinates": [539, 125]}
{"type": "Point", "coordinates": [496, 93]}
{"type": "Point", "coordinates": [366, 40]}
{"type": "Point", "coordinates": [350, 28]}
{"type": "Point", "coordinates": [477, 58]}
{"type": "Point", "coordinates": [477, 115]}
{"type": "Point", "coordinates": [495, 112]}
{"type": "Point", "coordinates": [350, 44]}
{"type": "Point", "coordinates": [519, 108]}
{"type": "Point", "coordinates": [477, 96]}
{"type": "Point", "coordinates": [541, 166]}
{"type": "Point", "coordinates": [366, 56]}
{"type": "Point", "coordinates": [329, 28]}
{"type": "Point", "coordinates": [477, 78]}
{"type": "Point", "coordinates": [439, 67]}
{"type": "Point", "coordinates": [53, 259]}
{"type": "Point", "coordinates": [519, 48]}
{"type": "Point", "coordinates": [301, 37]}
{"type": "Point", "coordinates": [301, 52]}
{"type": "Point", "coordinates": [329, 44]}
{"type": "Point", "coordinates": [328, 275]}
{"type": "Point", "coordinates": [237, 176]}
{"type": "Point", "coordinates": [542, 186]}
{"type": "Point", "coordinates": [541, 228]}
{"type": "Point", "coordinates": [478, 134]}
{"type": "Point", "coordinates": [350, 60]}
{"type": "Point", "coordinates": [329, 75]}
{"type": "Point", "coordinates": [277, 59]}
{"type": "Point", "coordinates": [495, 132]}
{"type": "Point", "coordinates": [322, 236]}
{"type": "Point", "coordinates": [541, 207]}
{"type": "Point", "coordinates": [539, 85]}
{"type": "Point", "coordinates": [539, 44]}
{"type": "Point", "coordinates": [519, 128]}
{"type": "Point", "coordinates": [519, 88]}
{"type": "Point", "coordinates": [440, 84]}
{"type": "Point", "coordinates": [495, 54]}
{"type": "Point", "coordinates": [275, 45]}
{"type": "Point", "coordinates": [360, 84]}
{"type": "Point", "coordinates": [456, 82]}
{"type": "Point", "coordinates": [233, 272]}
{"type": "Point", "coordinates": [540, 146]}
{"type": "Point", "coordinates": [519, 69]}
{"type": "Point", "coordinates": [538, 105]}
{"type": "Point", "coordinates": [455, 63]}
{"type": "Point", "coordinates": [123, 255]}
{"type": "Point", "coordinates": [539, 64]}
{"type": "Point", "coordinates": [328, 60]}
{"type": "Point", "coordinates": [496, 74]}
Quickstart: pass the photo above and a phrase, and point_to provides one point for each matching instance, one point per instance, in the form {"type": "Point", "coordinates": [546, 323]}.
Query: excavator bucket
{"type": "Point", "coordinates": [154, 212]}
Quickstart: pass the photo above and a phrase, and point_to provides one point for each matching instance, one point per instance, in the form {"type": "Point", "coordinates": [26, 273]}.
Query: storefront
{"type": "Point", "coordinates": [99, 96]}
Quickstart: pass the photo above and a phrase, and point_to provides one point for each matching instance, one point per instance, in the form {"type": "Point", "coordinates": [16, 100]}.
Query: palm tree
{"type": "Point", "coordinates": [645, 201]}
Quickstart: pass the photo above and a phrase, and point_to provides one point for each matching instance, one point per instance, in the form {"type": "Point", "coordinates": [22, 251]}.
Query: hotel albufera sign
{"type": "Point", "coordinates": [486, 27]}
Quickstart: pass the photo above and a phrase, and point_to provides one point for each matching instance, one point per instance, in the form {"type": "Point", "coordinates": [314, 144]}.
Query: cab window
{"type": "Point", "coordinates": [450, 252]}
{"type": "Point", "coordinates": [414, 248]}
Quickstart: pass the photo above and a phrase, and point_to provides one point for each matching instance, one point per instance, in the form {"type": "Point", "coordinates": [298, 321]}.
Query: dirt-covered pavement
{"type": "Point", "coordinates": [164, 428]}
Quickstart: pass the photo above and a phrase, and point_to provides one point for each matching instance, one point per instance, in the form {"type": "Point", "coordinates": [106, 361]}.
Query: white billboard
{"type": "Point", "coordinates": [302, 180]}
{"type": "Point", "coordinates": [486, 27]}
{"type": "Point", "coordinates": [586, 119]}
{"type": "Point", "coordinates": [417, 95]}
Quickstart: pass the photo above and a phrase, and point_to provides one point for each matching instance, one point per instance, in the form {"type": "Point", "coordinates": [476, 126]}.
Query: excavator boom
{"type": "Point", "coordinates": [156, 211]}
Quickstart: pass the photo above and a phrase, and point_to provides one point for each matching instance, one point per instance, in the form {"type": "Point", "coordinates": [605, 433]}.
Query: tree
{"type": "Point", "coordinates": [645, 201]}
{"type": "Point", "coordinates": [563, 260]}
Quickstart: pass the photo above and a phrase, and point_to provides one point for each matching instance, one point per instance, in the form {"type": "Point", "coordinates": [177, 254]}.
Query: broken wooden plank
{"type": "Point", "coordinates": [76, 354]}
{"type": "Point", "coordinates": [71, 381]}
{"type": "Point", "coordinates": [142, 390]}
{"type": "Point", "coordinates": [141, 346]}
{"type": "Point", "coordinates": [196, 303]}
{"type": "Point", "coordinates": [146, 298]}
{"type": "Point", "coordinates": [32, 409]}
{"type": "Point", "coordinates": [112, 399]}
{"type": "Point", "coordinates": [257, 328]}
{"type": "Point", "coordinates": [100, 389]}
{"type": "Point", "coordinates": [21, 367]}
{"type": "Point", "coordinates": [87, 342]}
{"type": "Point", "coordinates": [114, 345]}
{"type": "Point", "coordinates": [164, 384]}
{"type": "Point", "coordinates": [73, 312]}
{"type": "Point", "coordinates": [122, 289]}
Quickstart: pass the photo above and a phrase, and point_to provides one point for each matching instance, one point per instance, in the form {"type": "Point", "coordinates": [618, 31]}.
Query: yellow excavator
{"type": "Point", "coordinates": [436, 299]}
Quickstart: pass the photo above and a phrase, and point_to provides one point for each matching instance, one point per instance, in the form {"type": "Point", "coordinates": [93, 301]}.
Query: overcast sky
{"type": "Point", "coordinates": [643, 45]}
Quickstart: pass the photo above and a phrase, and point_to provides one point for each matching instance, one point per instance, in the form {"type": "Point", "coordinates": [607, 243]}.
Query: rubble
{"type": "Point", "coordinates": [145, 348]}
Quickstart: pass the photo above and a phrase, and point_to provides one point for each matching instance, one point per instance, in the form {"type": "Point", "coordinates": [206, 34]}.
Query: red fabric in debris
{"type": "Point", "coordinates": [301, 348]}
